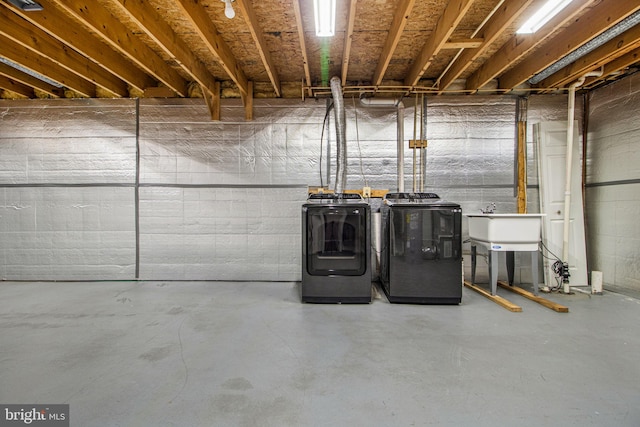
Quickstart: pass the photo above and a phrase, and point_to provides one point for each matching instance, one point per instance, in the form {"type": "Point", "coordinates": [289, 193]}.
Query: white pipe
{"type": "Point", "coordinates": [391, 103]}
{"type": "Point", "coordinates": [568, 168]}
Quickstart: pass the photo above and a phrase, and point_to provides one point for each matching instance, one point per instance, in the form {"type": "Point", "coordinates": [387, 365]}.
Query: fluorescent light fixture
{"type": "Point", "coordinates": [325, 13]}
{"type": "Point", "coordinates": [26, 5]}
{"type": "Point", "coordinates": [550, 9]}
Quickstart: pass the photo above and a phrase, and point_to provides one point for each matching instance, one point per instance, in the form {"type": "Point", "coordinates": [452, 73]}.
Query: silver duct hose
{"type": "Point", "coordinates": [341, 135]}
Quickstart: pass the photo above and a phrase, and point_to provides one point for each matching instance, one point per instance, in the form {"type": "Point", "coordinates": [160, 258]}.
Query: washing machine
{"type": "Point", "coordinates": [336, 249]}
{"type": "Point", "coordinates": [421, 259]}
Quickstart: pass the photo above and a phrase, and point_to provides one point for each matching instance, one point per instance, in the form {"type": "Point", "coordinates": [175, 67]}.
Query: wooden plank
{"type": "Point", "coordinates": [536, 298]}
{"type": "Point", "coordinates": [261, 45]}
{"type": "Point", "coordinates": [346, 52]}
{"type": "Point", "coordinates": [150, 21]}
{"type": "Point", "coordinates": [118, 36]}
{"type": "Point", "coordinates": [418, 143]}
{"type": "Point", "coordinates": [495, 298]}
{"type": "Point", "coordinates": [303, 46]}
{"type": "Point", "coordinates": [197, 15]}
{"type": "Point", "coordinates": [600, 18]}
{"type": "Point", "coordinates": [494, 28]}
{"type": "Point", "coordinates": [520, 45]}
{"type": "Point", "coordinates": [453, 14]}
{"type": "Point", "coordinates": [463, 43]}
{"type": "Point", "coordinates": [16, 87]}
{"type": "Point", "coordinates": [40, 42]}
{"type": "Point", "coordinates": [27, 80]}
{"type": "Point", "coordinates": [403, 10]}
{"type": "Point", "coordinates": [247, 101]}
{"type": "Point", "coordinates": [213, 101]}
{"type": "Point", "coordinates": [46, 67]}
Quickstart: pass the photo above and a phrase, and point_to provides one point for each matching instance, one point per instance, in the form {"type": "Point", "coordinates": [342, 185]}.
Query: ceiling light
{"type": "Point", "coordinates": [550, 9]}
{"type": "Point", "coordinates": [325, 13]}
{"type": "Point", "coordinates": [228, 9]}
{"type": "Point", "coordinates": [26, 5]}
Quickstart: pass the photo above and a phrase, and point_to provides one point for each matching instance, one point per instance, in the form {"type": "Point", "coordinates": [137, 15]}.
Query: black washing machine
{"type": "Point", "coordinates": [336, 249]}
{"type": "Point", "coordinates": [421, 259]}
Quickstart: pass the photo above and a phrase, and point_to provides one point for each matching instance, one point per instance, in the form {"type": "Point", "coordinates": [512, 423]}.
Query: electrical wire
{"type": "Point", "coordinates": [324, 124]}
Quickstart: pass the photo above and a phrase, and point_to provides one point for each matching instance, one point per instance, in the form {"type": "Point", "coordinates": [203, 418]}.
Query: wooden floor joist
{"type": "Point", "coordinates": [543, 301]}
{"type": "Point", "coordinates": [495, 298]}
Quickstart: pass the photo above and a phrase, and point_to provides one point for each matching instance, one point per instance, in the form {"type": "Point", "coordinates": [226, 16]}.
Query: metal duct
{"type": "Point", "coordinates": [592, 44]}
{"type": "Point", "coordinates": [341, 135]}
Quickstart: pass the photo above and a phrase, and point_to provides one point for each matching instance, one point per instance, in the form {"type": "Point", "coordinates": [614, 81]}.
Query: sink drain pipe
{"type": "Point", "coordinates": [568, 172]}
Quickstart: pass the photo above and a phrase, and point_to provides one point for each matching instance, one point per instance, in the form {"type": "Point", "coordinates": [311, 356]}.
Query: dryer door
{"type": "Point", "coordinates": [336, 241]}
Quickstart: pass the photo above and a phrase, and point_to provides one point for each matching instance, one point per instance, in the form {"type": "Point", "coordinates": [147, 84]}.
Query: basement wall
{"type": "Point", "coordinates": [127, 189]}
{"type": "Point", "coordinates": [613, 184]}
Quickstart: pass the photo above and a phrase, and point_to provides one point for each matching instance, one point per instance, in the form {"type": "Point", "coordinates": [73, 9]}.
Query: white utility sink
{"type": "Point", "coordinates": [506, 232]}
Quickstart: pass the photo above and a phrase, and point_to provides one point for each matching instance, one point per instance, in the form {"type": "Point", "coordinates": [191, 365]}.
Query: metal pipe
{"type": "Point", "coordinates": [341, 135]}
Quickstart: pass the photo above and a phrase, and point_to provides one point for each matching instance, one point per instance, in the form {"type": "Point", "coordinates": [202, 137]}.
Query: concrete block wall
{"type": "Point", "coordinates": [153, 189]}
{"type": "Point", "coordinates": [613, 184]}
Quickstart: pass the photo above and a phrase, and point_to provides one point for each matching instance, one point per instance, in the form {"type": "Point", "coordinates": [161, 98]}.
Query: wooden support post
{"type": "Point", "coordinates": [522, 156]}
{"type": "Point", "coordinates": [213, 100]}
{"type": "Point", "coordinates": [247, 101]}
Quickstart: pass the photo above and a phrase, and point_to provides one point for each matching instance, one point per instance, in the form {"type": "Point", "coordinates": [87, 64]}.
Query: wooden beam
{"type": "Point", "coordinates": [197, 15]}
{"type": "Point", "coordinates": [463, 43]}
{"type": "Point", "coordinates": [44, 66]}
{"type": "Point", "coordinates": [614, 67]}
{"type": "Point", "coordinates": [495, 298]}
{"type": "Point", "coordinates": [247, 101]}
{"type": "Point", "coordinates": [303, 46]}
{"type": "Point", "coordinates": [400, 18]}
{"type": "Point", "coordinates": [212, 98]}
{"type": "Point", "coordinates": [119, 37]}
{"type": "Point", "coordinates": [256, 32]}
{"type": "Point", "coordinates": [520, 45]}
{"type": "Point", "coordinates": [16, 87]}
{"type": "Point", "coordinates": [601, 17]}
{"type": "Point", "coordinates": [57, 24]}
{"type": "Point", "coordinates": [501, 20]}
{"type": "Point", "coordinates": [348, 38]}
{"type": "Point", "coordinates": [447, 23]}
{"type": "Point", "coordinates": [38, 41]}
{"type": "Point", "coordinates": [28, 80]}
{"type": "Point", "coordinates": [521, 144]}
{"type": "Point", "coordinates": [597, 58]}
{"type": "Point", "coordinates": [536, 298]}
{"type": "Point", "coordinates": [150, 21]}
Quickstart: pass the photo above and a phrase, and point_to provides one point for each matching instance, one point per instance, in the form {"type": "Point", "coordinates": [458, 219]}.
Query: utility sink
{"type": "Point", "coordinates": [506, 232]}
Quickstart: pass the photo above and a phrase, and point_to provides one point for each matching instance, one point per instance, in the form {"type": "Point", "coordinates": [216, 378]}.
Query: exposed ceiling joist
{"type": "Point", "coordinates": [56, 24]}
{"type": "Point", "coordinates": [348, 38]}
{"type": "Point", "coordinates": [27, 80]}
{"type": "Point", "coordinates": [400, 19]}
{"type": "Point", "coordinates": [508, 12]}
{"type": "Point", "coordinates": [149, 20]}
{"type": "Point", "coordinates": [261, 45]}
{"type": "Point", "coordinates": [519, 45]}
{"type": "Point", "coordinates": [303, 46]}
{"type": "Point", "coordinates": [448, 21]}
{"type": "Point", "coordinates": [197, 15]}
{"type": "Point", "coordinates": [44, 66]}
{"type": "Point", "coordinates": [597, 58]}
{"type": "Point", "coordinates": [36, 40]}
{"type": "Point", "coordinates": [16, 87]}
{"type": "Point", "coordinates": [168, 48]}
{"type": "Point", "coordinates": [602, 16]}
{"type": "Point", "coordinates": [118, 36]}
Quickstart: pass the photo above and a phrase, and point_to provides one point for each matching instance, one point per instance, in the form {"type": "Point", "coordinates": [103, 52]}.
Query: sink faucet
{"type": "Point", "coordinates": [489, 209]}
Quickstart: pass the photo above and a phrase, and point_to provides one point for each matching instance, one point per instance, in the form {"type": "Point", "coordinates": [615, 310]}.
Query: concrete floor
{"type": "Point", "coordinates": [250, 354]}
